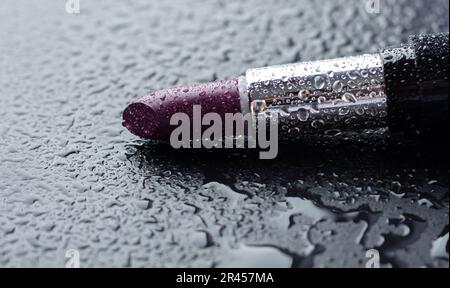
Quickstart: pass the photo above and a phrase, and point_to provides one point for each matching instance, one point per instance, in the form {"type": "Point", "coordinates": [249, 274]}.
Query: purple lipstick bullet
{"type": "Point", "coordinates": [149, 116]}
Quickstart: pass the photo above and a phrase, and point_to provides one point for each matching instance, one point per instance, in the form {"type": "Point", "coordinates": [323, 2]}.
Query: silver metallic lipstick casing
{"type": "Point", "coordinates": [326, 96]}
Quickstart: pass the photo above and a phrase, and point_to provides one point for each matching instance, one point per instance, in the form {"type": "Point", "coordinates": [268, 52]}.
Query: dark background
{"type": "Point", "coordinates": [72, 177]}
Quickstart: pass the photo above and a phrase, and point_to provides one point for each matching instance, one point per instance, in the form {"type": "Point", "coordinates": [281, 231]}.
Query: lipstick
{"type": "Point", "coordinates": [404, 88]}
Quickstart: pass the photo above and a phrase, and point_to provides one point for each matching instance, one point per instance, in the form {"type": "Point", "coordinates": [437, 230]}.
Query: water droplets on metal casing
{"type": "Point", "coordinates": [343, 93]}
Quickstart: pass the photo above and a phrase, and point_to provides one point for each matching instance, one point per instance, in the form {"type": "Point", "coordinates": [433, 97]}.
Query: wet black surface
{"type": "Point", "coordinates": [72, 178]}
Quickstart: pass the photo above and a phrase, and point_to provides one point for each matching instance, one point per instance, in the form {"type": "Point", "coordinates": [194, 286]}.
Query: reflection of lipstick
{"type": "Point", "coordinates": [403, 88]}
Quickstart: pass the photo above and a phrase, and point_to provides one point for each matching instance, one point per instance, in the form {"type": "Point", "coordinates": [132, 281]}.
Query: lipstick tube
{"type": "Point", "coordinates": [403, 88]}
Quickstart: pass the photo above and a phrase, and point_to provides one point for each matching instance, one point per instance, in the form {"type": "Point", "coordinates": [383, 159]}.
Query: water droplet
{"type": "Point", "coordinates": [333, 132]}
{"type": "Point", "coordinates": [349, 97]}
{"type": "Point", "coordinates": [317, 123]}
{"type": "Point", "coordinates": [343, 111]}
{"type": "Point", "coordinates": [294, 131]}
{"type": "Point", "coordinates": [302, 94]}
{"type": "Point", "coordinates": [352, 74]}
{"type": "Point", "coordinates": [388, 57]}
{"type": "Point", "coordinates": [337, 86]}
{"type": "Point", "coordinates": [303, 115]}
{"type": "Point", "coordinates": [373, 70]}
{"type": "Point", "coordinates": [359, 111]}
{"type": "Point", "coordinates": [319, 82]}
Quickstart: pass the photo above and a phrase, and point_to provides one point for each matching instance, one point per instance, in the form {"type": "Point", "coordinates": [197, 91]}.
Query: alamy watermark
{"type": "Point", "coordinates": [207, 131]}
{"type": "Point", "coordinates": [373, 6]}
{"type": "Point", "coordinates": [73, 258]}
{"type": "Point", "coordinates": [73, 6]}
{"type": "Point", "coordinates": [373, 256]}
